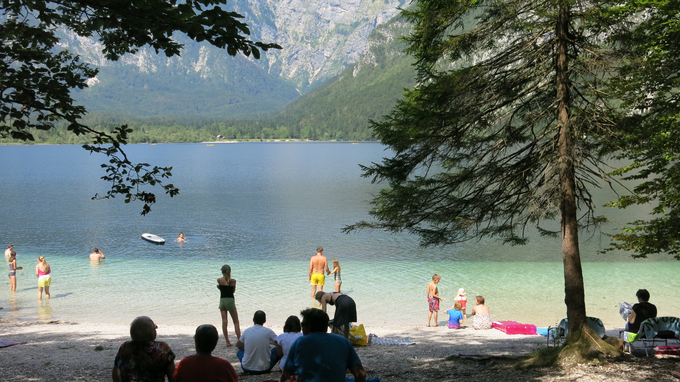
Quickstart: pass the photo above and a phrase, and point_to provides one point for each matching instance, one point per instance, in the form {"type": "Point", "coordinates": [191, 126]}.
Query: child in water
{"type": "Point", "coordinates": [336, 273]}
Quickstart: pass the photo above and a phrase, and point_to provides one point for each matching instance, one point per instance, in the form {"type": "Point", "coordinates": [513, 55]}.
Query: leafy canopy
{"type": "Point", "coordinates": [649, 85]}
{"type": "Point", "coordinates": [477, 141]}
{"type": "Point", "coordinates": [36, 77]}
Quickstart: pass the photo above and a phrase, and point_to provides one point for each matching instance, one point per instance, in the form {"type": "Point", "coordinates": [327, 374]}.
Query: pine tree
{"type": "Point", "coordinates": [503, 131]}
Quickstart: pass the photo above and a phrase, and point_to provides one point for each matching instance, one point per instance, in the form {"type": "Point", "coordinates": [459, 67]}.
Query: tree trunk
{"type": "Point", "coordinates": [573, 275]}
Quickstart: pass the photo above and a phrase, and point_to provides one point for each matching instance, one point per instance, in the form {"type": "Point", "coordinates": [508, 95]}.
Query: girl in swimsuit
{"type": "Point", "coordinates": [13, 271]}
{"type": "Point", "coordinates": [42, 271]}
{"type": "Point", "coordinates": [336, 273]}
{"type": "Point", "coordinates": [227, 286]}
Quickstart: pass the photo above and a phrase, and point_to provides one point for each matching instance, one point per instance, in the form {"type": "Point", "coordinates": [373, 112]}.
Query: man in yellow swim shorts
{"type": "Point", "coordinates": [317, 264]}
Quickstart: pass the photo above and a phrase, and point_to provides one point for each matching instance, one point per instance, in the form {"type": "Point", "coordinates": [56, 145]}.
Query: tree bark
{"type": "Point", "coordinates": [573, 275]}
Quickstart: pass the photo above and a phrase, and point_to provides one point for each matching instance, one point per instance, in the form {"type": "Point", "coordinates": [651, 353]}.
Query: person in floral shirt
{"type": "Point", "coordinates": [143, 359]}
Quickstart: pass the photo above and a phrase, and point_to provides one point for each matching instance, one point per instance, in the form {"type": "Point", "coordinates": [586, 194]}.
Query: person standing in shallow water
{"type": "Point", "coordinates": [336, 274]}
{"type": "Point", "coordinates": [43, 273]}
{"type": "Point", "coordinates": [13, 271]}
{"type": "Point", "coordinates": [96, 255]}
{"type": "Point", "coordinates": [227, 286]}
{"type": "Point", "coordinates": [9, 250]}
{"type": "Point", "coordinates": [317, 264]}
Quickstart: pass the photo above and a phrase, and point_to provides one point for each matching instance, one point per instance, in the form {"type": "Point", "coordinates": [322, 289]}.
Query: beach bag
{"type": "Point", "coordinates": [357, 335]}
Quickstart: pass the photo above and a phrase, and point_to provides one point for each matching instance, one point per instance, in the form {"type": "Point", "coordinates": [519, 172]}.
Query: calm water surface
{"type": "Point", "coordinates": [263, 208]}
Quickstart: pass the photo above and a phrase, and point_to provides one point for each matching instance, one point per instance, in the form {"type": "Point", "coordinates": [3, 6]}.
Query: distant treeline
{"type": "Point", "coordinates": [162, 130]}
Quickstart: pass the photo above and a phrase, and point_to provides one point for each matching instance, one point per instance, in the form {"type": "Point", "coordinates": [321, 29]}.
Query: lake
{"type": "Point", "coordinates": [264, 208]}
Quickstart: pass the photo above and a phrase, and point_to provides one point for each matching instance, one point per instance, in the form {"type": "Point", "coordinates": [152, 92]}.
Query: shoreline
{"type": "Point", "coordinates": [68, 351]}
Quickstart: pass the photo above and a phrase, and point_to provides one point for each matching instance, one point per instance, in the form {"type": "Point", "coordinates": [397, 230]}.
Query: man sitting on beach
{"type": "Point", "coordinates": [143, 358]}
{"type": "Point", "coordinates": [203, 366]}
{"type": "Point", "coordinates": [317, 264]}
{"type": "Point", "coordinates": [255, 353]}
{"type": "Point", "coordinates": [641, 311]}
{"type": "Point", "coordinates": [318, 356]}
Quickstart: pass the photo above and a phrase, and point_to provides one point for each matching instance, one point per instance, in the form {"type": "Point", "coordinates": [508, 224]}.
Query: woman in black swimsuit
{"type": "Point", "coordinates": [345, 310]}
{"type": "Point", "coordinates": [227, 286]}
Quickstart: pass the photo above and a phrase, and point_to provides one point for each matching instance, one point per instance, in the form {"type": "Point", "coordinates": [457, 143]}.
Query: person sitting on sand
{"type": "Point", "coordinates": [455, 316]}
{"type": "Point", "coordinates": [481, 319]}
{"type": "Point", "coordinates": [96, 255]}
{"type": "Point", "coordinates": [203, 366]}
{"type": "Point", "coordinates": [291, 332]}
{"type": "Point", "coordinates": [181, 238]}
{"type": "Point", "coordinates": [320, 356]}
{"type": "Point", "coordinates": [255, 352]}
{"type": "Point", "coordinates": [143, 358]}
{"type": "Point", "coordinates": [463, 301]}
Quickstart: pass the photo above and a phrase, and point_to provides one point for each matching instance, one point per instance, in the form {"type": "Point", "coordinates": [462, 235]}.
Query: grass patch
{"type": "Point", "coordinates": [66, 347]}
{"type": "Point", "coordinates": [541, 358]}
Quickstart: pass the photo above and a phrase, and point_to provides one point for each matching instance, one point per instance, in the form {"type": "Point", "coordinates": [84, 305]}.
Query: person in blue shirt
{"type": "Point", "coordinates": [319, 356]}
{"type": "Point", "coordinates": [455, 315]}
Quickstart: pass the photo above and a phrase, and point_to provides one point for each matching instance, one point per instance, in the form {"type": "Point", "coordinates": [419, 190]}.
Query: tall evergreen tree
{"type": "Point", "coordinates": [498, 134]}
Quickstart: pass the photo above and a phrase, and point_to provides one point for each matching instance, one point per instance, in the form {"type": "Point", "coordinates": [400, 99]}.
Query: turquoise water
{"type": "Point", "coordinates": [263, 208]}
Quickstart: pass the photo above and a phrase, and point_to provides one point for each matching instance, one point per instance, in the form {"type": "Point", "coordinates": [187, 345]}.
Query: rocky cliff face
{"type": "Point", "coordinates": [319, 38]}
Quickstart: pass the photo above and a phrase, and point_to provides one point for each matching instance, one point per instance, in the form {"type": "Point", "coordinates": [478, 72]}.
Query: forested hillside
{"type": "Point", "coordinates": [368, 89]}
{"type": "Point", "coordinates": [338, 110]}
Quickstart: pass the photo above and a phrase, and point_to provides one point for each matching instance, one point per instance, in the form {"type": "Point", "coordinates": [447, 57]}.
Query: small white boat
{"type": "Point", "coordinates": [153, 238]}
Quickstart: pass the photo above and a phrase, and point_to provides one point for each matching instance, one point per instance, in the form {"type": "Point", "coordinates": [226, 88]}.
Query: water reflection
{"type": "Point", "coordinates": [44, 311]}
{"type": "Point", "coordinates": [13, 307]}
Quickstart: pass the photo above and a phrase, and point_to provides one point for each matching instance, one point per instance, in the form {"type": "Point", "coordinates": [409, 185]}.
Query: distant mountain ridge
{"type": "Point", "coordinates": [319, 38]}
{"type": "Point", "coordinates": [367, 89]}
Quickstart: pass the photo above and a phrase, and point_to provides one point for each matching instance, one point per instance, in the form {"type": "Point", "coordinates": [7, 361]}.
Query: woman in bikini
{"type": "Point", "coordinates": [43, 271]}
{"type": "Point", "coordinates": [227, 286]}
{"type": "Point", "coordinates": [13, 271]}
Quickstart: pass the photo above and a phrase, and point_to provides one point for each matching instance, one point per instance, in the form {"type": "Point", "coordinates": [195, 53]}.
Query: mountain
{"type": "Point", "coordinates": [367, 89]}
{"type": "Point", "coordinates": [320, 38]}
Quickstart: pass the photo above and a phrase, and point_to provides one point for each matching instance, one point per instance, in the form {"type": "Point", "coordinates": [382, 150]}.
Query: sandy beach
{"type": "Point", "coordinates": [65, 351]}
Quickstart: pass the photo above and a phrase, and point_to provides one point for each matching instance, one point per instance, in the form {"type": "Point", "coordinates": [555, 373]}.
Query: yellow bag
{"type": "Point", "coordinates": [357, 335]}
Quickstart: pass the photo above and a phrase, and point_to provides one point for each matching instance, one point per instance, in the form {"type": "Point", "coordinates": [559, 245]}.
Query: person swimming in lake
{"type": "Point", "coordinates": [227, 286]}
{"type": "Point", "coordinates": [13, 271]}
{"type": "Point", "coordinates": [181, 238]}
{"type": "Point", "coordinates": [96, 255]}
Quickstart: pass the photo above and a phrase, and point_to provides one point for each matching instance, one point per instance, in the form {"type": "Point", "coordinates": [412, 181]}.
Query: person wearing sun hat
{"type": "Point", "coordinates": [463, 300]}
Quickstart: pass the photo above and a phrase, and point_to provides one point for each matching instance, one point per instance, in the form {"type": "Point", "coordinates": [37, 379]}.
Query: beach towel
{"type": "Point", "coordinates": [391, 341]}
{"type": "Point", "coordinates": [4, 344]}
